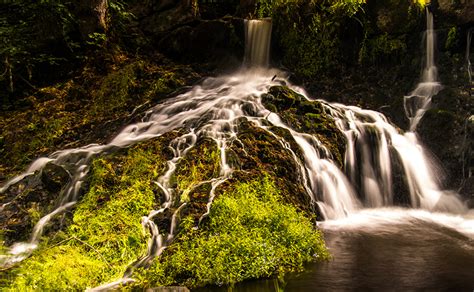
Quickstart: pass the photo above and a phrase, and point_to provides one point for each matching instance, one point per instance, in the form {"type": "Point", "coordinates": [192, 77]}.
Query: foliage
{"type": "Point", "coordinates": [452, 39]}
{"type": "Point", "coordinates": [250, 234]}
{"type": "Point", "coordinates": [310, 30]}
{"type": "Point", "coordinates": [26, 31]}
{"type": "Point", "coordinates": [105, 235]}
{"type": "Point", "coordinates": [37, 36]}
{"type": "Point", "coordinates": [381, 48]}
{"type": "Point", "coordinates": [119, 18]}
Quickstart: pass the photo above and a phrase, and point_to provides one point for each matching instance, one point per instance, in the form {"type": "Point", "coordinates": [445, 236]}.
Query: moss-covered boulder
{"type": "Point", "coordinates": [306, 116]}
{"type": "Point", "coordinates": [260, 222]}
{"type": "Point", "coordinates": [250, 234]}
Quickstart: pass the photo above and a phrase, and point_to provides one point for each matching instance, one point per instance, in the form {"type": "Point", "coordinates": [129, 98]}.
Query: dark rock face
{"type": "Point", "coordinates": [436, 128]}
{"type": "Point", "coordinates": [461, 11]}
{"type": "Point", "coordinates": [54, 177]}
{"type": "Point", "coordinates": [192, 32]}
{"type": "Point", "coordinates": [213, 40]}
{"type": "Point", "coordinates": [166, 16]}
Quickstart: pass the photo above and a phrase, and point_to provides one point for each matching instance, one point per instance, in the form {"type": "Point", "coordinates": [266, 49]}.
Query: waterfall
{"type": "Point", "coordinates": [371, 143]}
{"type": "Point", "coordinates": [258, 34]}
{"type": "Point", "coordinates": [419, 100]}
{"type": "Point", "coordinates": [468, 57]}
{"type": "Point", "coordinates": [212, 110]}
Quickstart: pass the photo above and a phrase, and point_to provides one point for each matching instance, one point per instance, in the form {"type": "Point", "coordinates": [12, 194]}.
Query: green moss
{"type": "Point", "coordinates": [65, 267]}
{"type": "Point", "coordinates": [201, 164]}
{"type": "Point", "coordinates": [165, 84]}
{"type": "Point", "coordinates": [452, 39]}
{"type": "Point", "coordinates": [72, 113]}
{"type": "Point", "coordinates": [250, 234]}
{"type": "Point", "coordinates": [105, 235]}
{"type": "Point", "coordinates": [42, 128]}
{"type": "Point", "coordinates": [136, 81]}
{"type": "Point", "coordinates": [116, 88]}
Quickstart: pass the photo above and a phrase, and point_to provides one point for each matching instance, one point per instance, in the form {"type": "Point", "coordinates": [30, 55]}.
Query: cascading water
{"type": "Point", "coordinates": [419, 100]}
{"type": "Point", "coordinates": [257, 35]}
{"type": "Point", "coordinates": [212, 109]}
{"type": "Point", "coordinates": [362, 128]}
{"type": "Point", "coordinates": [468, 58]}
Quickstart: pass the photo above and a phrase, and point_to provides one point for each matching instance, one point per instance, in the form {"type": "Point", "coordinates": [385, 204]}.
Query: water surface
{"type": "Point", "coordinates": [387, 250]}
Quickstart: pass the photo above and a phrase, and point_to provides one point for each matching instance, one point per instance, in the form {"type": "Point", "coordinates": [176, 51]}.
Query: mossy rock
{"type": "Point", "coordinates": [103, 234]}
{"type": "Point", "coordinates": [250, 234]}
{"type": "Point", "coordinates": [28, 200]}
{"type": "Point", "coordinates": [258, 150]}
{"type": "Point", "coordinates": [194, 174]}
{"type": "Point", "coordinates": [256, 216]}
{"type": "Point", "coordinates": [306, 116]}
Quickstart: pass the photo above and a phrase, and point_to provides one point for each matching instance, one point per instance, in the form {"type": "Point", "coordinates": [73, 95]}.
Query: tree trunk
{"type": "Point", "coordinates": [92, 15]}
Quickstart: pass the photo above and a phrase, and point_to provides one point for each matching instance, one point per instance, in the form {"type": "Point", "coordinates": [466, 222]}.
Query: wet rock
{"type": "Point", "coordinates": [283, 97]}
{"type": "Point", "coordinates": [21, 206]}
{"type": "Point", "coordinates": [440, 131]}
{"type": "Point", "coordinates": [54, 177]}
{"type": "Point", "coordinates": [400, 189]}
{"type": "Point", "coordinates": [306, 116]}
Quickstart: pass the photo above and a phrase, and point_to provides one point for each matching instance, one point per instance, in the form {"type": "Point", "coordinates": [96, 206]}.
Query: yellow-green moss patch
{"type": "Point", "coordinates": [250, 234]}
{"type": "Point", "coordinates": [105, 235]}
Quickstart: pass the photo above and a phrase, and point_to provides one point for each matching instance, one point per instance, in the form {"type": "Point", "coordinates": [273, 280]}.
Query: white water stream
{"type": "Point", "coordinates": [212, 109]}
{"type": "Point", "coordinates": [419, 100]}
